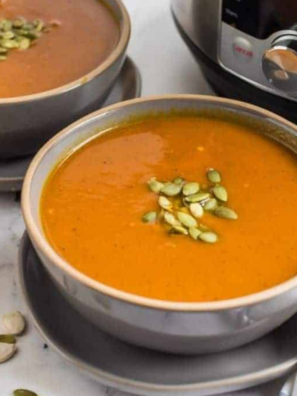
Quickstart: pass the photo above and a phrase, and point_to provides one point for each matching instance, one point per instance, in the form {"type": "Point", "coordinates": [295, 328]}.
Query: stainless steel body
{"type": "Point", "coordinates": [173, 327]}
{"type": "Point", "coordinates": [26, 123]}
{"type": "Point", "coordinates": [241, 53]}
{"type": "Point", "coordinates": [137, 370]}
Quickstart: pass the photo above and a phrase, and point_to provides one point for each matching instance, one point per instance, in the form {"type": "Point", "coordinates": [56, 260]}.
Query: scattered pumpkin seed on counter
{"type": "Point", "coordinates": [19, 34]}
{"type": "Point", "coordinates": [183, 203]}
{"type": "Point", "coordinates": [13, 324]}
{"type": "Point", "coordinates": [24, 392]}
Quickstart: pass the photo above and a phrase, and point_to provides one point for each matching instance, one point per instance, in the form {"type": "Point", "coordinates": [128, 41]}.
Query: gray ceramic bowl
{"type": "Point", "coordinates": [173, 327]}
{"type": "Point", "coordinates": [27, 122]}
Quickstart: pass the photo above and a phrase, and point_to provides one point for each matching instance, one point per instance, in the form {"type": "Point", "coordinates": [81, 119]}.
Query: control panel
{"type": "Point", "coordinates": [260, 18]}
{"type": "Point", "coordinates": [259, 42]}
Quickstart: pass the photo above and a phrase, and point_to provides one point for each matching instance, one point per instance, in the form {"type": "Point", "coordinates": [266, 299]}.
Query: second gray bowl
{"type": "Point", "coordinates": [27, 122]}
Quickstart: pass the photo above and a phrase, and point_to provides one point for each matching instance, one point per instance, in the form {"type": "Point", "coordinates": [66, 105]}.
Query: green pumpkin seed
{"type": "Point", "coordinates": [171, 219]}
{"type": "Point", "coordinates": [9, 43]}
{"type": "Point", "coordinates": [196, 209]}
{"type": "Point", "coordinates": [2, 22]}
{"type": "Point", "coordinates": [7, 25]}
{"type": "Point", "coordinates": [24, 43]}
{"type": "Point", "coordinates": [186, 219]}
{"type": "Point", "coordinates": [7, 339]}
{"type": "Point", "coordinates": [194, 233]}
{"type": "Point", "coordinates": [226, 213]}
{"type": "Point", "coordinates": [149, 217]}
{"type": "Point", "coordinates": [29, 34]}
{"type": "Point", "coordinates": [165, 203]}
{"type": "Point", "coordinates": [191, 188]}
{"type": "Point", "coordinates": [3, 57]}
{"type": "Point", "coordinates": [18, 23]}
{"type": "Point", "coordinates": [197, 197]}
{"type": "Point", "coordinates": [220, 193]}
{"type": "Point", "coordinates": [23, 392]}
{"type": "Point", "coordinates": [8, 35]}
{"type": "Point", "coordinates": [28, 26]}
{"type": "Point", "coordinates": [208, 237]}
{"type": "Point", "coordinates": [39, 25]}
{"type": "Point", "coordinates": [178, 230]}
{"type": "Point", "coordinates": [211, 205]}
{"type": "Point", "coordinates": [155, 185]}
{"type": "Point", "coordinates": [3, 50]}
{"type": "Point", "coordinates": [171, 189]}
{"type": "Point", "coordinates": [178, 180]}
{"type": "Point", "coordinates": [214, 176]}
{"type": "Point", "coordinates": [203, 227]}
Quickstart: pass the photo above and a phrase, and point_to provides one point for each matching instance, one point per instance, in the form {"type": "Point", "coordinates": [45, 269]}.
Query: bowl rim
{"type": "Point", "coordinates": [40, 241]}
{"type": "Point", "coordinates": [116, 53]}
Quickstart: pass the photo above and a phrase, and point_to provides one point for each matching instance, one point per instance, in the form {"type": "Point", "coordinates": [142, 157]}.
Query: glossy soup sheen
{"type": "Point", "coordinates": [93, 202]}
{"type": "Point", "coordinates": [87, 36]}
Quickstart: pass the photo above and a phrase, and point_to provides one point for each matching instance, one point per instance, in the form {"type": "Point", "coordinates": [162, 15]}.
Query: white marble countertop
{"type": "Point", "coordinates": [167, 67]}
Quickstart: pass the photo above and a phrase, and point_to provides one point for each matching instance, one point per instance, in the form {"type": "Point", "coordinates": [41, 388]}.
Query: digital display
{"type": "Point", "coordinates": [260, 18]}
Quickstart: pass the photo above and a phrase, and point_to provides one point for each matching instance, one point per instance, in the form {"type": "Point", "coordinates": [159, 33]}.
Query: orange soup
{"type": "Point", "coordinates": [94, 202]}
{"type": "Point", "coordinates": [77, 36]}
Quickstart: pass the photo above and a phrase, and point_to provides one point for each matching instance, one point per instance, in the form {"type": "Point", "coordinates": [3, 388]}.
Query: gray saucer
{"type": "Point", "coordinates": [127, 86]}
{"type": "Point", "coordinates": [139, 371]}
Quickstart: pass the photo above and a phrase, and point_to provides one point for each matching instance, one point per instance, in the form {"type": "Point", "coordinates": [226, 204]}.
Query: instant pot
{"type": "Point", "coordinates": [247, 49]}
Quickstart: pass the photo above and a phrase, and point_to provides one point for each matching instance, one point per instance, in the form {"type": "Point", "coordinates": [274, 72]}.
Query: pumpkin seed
{"type": "Point", "coordinates": [7, 25]}
{"type": "Point", "coordinates": [3, 50]}
{"type": "Point", "coordinates": [196, 209]}
{"type": "Point", "coordinates": [23, 392]}
{"type": "Point", "coordinates": [186, 219]}
{"type": "Point", "coordinates": [211, 205]}
{"type": "Point", "coordinates": [191, 188]}
{"type": "Point", "coordinates": [203, 227]}
{"type": "Point", "coordinates": [194, 232]}
{"type": "Point", "coordinates": [208, 237]}
{"type": "Point", "coordinates": [30, 34]}
{"type": "Point", "coordinates": [7, 339]}
{"type": "Point", "coordinates": [178, 230]}
{"type": "Point", "coordinates": [221, 193]}
{"type": "Point", "coordinates": [214, 176]}
{"type": "Point", "coordinates": [226, 213]}
{"type": "Point", "coordinates": [28, 26]}
{"type": "Point", "coordinates": [165, 203]}
{"type": "Point", "coordinates": [171, 189]}
{"type": "Point", "coordinates": [171, 219]}
{"type": "Point", "coordinates": [13, 323]}
{"type": "Point", "coordinates": [18, 23]}
{"type": "Point", "coordinates": [178, 180]}
{"type": "Point", "coordinates": [155, 185]}
{"type": "Point", "coordinates": [24, 43]}
{"type": "Point", "coordinates": [149, 217]}
{"type": "Point", "coordinates": [2, 22]}
{"type": "Point", "coordinates": [8, 35]}
{"type": "Point", "coordinates": [6, 351]}
{"type": "Point", "coordinates": [9, 43]}
{"type": "Point", "coordinates": [197, 197]}
{"type": "Point", "coordinates": [39, 25]}
{"type": "Point", "coordinates": [3, 57]}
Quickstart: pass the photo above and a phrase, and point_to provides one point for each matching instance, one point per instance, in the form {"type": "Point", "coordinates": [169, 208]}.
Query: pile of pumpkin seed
{"type": "Point", "coordinates": [13, 324]}
{"type": "Point", "coordinates": [18, 34]}
{"type": "Point", "coordinates": [183, 203]}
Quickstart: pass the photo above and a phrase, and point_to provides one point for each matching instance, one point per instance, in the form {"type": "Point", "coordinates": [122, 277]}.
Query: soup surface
{"type": "Point", "coordinates": [85, 35]}
{"type": "Point", "coordinates": [93, 202]}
